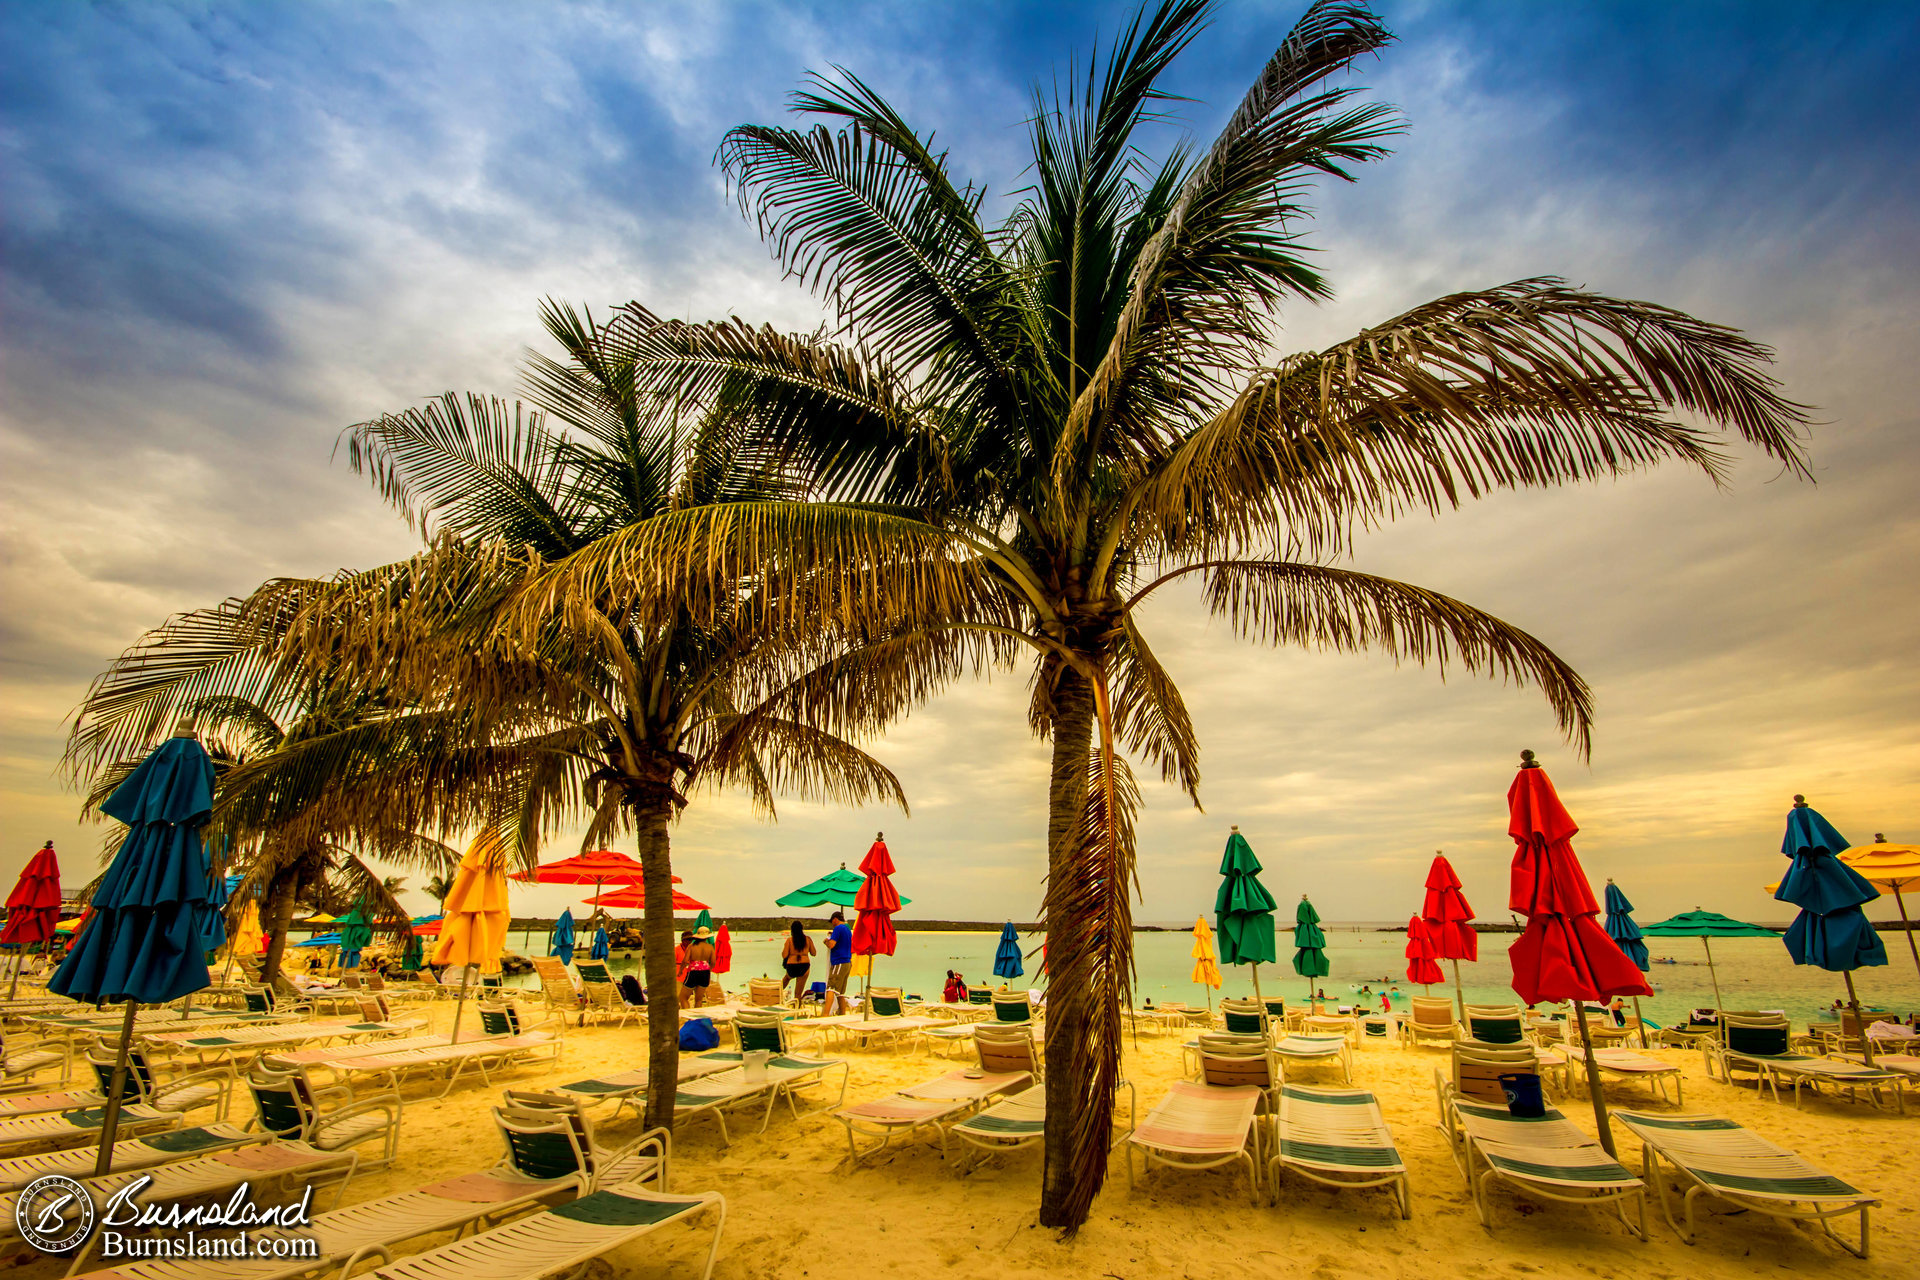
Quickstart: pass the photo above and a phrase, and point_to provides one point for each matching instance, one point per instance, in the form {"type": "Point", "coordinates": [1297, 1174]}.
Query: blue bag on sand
{"type": "Point", "coordinates": [698, 1035]}
{"type": "Point", "coordinates": [1523, 1094]}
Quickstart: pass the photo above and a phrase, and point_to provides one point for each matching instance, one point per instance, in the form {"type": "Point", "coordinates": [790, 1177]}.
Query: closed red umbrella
{"type": "Point", "coordinates": [1448, 916]}
{"type": "Point", "coordinates": [1420, 964]}
{"type": "Point", "coordinates": [1563, 954]}
{"type": "Point", "coordinates": [876, 902]}
{"type": "Point", "coordinates": [722, 951]}
{"type": "Point", "coordinates": [33, 908]}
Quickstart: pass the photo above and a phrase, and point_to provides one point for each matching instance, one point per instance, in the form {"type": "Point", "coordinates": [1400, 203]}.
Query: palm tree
{"type": "Point", "coordinates": [1051, 420]}
{"type": "Point", "coordinates": [214, 668]}
{"type": "Point", "coordinates": [603, 717]}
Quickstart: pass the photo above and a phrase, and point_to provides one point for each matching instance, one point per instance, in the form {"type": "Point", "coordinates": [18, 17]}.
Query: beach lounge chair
{"type": "Point", "coordinates": [1244, 1018]}
{"type": "Point", "coordinates": [1013, 1006]}
{"type": "Point", "coordinates": [1338, 1138]}
{"type": "Point", "coordinates": [145, 1083]}
{"type": "Point", "coordinates": [548, 1135]}
{"type": "Point", "coordinates": [764, 992]}
{"type": "Point", "coordinates": [503, 1018]}
{"type": "Point", "coordinates": [1198, 1126]}
{"type": "Point", "coordinates": [1012, 1047]}
{"type": "Point", "coordinates": [1628, 1064]}
{"type": "Point", "coordinates": [229, 1043]}
{"type": "Point", "coordinates": [562, 1240]}
{"type": "Point", "coordinates": [1322, 1024]}
{"type": "Point", "coordinates": [1546, 1156]}
{"type": "Point", "coordinates": [289, 1107]}
{"type": "Point", "coordinates": [626, 1084]}
{"type": "Point", "coordinates": [1432, 1019]}
{"type": "Point", "coordinates": [1304, 1050]}
{"type": "Point", "coordinates": [19, 1067]}
{"type": "Point", "coordinates": [791, 1074]}
{"type": "Point", "coordinates": [1477, 1068]}
{"type": "Point", "coordinates": [1495, 1024]}
{"type": "Point", "coordinates": [271, 1170]}
{"type": "Point", "coordinates": [1229, 1061]}
{"type": "Point", "coordinates": [889, 1022]}
{"type": "Point", "coordinates": [1021, 1121]}
{"type": "Point", "coordinates": [81, 1125]}
{"type": "Point", "coordinates": [601, 994]}
{"type": "Point", "coordinates": [130, 1153]}
{"type": "Point", "coordinates": [556, 986]}
{"type": "Point", "coordinates": [1758, 1042]}
{"type": "Point", "coordinates": [484, 1056]}
{"type": "Point", "coordinates": [927, 1107]}
{"type": "Point", "coordinates": [1729, 1162]}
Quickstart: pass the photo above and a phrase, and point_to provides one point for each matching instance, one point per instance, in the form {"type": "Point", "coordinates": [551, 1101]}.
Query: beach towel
{"type": "Point", "coordinates": [698, 1035]}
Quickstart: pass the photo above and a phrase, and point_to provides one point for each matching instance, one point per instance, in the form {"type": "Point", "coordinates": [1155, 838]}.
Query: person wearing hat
{"type": "Point", "coordinates": [699, 975]}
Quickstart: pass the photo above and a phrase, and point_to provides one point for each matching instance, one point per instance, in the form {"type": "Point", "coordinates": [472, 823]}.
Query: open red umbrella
{"type": "Point", "coordinates": [1420, 964]}
{"type": "Point", "coordinates": [1448, 915]}
{"type": "Point", "coordinates": [634, 898]}
{"type": "Point", "coordinates": [33, 908]}
{"type": "Point", "coordinates": [1563, 954]}
{"type": "Point", "coordinates": [877, 901]}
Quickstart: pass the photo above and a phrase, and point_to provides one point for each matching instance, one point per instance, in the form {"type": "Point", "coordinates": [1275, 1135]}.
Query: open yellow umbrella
{"type": "Point", "coordinates": [1206, 965]}
{"type": "Point", "coordinates": [1890, 866]}
{"type": "Point", "coordinates": [474, 927]}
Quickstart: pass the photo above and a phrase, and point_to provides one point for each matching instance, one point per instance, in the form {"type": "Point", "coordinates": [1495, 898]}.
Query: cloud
{"type": "Point", "coordinates": [232, 231]}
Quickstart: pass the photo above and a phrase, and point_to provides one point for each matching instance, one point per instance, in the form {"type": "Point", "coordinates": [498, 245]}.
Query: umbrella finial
{"type": "Point", "coordinates": [1235, 827]}
{"type": "Point", "coordinates": [1879, 837]}
{"type": "Point", "coordinates": [879, 835]}
{"type": "Point", "coordinates": [1527, 761]}
{"type": "Point", "coordinates": [1799, 802]}
{"type": "Point", "coordinates": [184, 729]}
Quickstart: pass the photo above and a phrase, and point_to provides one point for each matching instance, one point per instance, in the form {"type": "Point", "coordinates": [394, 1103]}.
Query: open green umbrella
{"type": "Point", "coordinates": [1310, 945]}
{"type": "Point", "coordinates": [1245, 910]}
{"type": "Point", "coordinates": [837, 887]}
{"type": "Point", "coordinates": [1706, 926]}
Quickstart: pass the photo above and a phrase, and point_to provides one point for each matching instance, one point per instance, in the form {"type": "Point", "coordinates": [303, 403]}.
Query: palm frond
{"type": "Point", "coordinates": [1149, 715]}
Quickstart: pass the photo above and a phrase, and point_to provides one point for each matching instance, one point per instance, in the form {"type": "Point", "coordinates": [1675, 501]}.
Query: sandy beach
{"type": "Point", "coordinates": [796, 1209]}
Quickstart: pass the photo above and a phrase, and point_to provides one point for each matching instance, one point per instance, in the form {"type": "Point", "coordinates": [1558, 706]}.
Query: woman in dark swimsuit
{"type": "Point", "coordinates": [797, 958]}
{"type": "Point", "coordinates": [699, 976]}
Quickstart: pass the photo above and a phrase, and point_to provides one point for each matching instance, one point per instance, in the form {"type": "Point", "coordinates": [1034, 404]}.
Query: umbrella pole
{"type": "Point", "coordinates": [1258, 998]}
{"type": "Point", "coordinates": [1593, 1082]}
{"type": "Point", "coordinates": [19, 962]}
{"type": "Point", "coordinates": [1459, 992]}
{"type": "Point", "coordinates": [1641, 1021]}
{"type": "Point", "coordinates": [110, 1119]}
{"type": "Point", "coordinates": [1866, 1041]}
{"type": "Point", "coordinates": [1713, 973]}
{"type": "Point", "coordinates": [459, 1005]}
{"type": "Point", "coordinates": [1908, 926]}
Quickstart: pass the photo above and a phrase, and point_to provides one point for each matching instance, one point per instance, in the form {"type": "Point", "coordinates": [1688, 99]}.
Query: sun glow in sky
{"type": "Point", "coordinates": [228, 231]}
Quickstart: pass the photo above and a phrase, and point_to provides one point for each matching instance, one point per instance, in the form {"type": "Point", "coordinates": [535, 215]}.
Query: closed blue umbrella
{"type": "Point", "coordinates": [563, 937]}
{"type": "Point", "coordinates": [1831, 930]}
{"type": "Point", "coordinates": [143, 942]}
{"type": "Point", "coordinates": [1006, 961]}
{"type": "Point", "coordinates": [601, 947]}
{"type": "Point", "coordinates": [1626, 935]}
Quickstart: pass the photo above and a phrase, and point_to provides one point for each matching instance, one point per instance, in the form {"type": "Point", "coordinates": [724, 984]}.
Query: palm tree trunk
{"type": "Point", "coordinates": [281, 891]}
{"type": "Point", "coordinates": [1075, 1154]}
{"type": "Point", "coordinates": [656, 932]}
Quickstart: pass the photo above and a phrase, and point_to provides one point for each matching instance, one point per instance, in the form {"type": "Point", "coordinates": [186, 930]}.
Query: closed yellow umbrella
{"type": "Point", "coordinates": [473, 930]}
{"type": "Point", "coordinates": [248, 935]}
{"type": "Point", "coordinates": [1206, 964]}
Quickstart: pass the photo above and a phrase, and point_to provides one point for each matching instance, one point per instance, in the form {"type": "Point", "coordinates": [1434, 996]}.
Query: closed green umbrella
{"type": "Point", "coordinates": [1244, 909]}
{"type": "Point", "coordinates": [1706, 926]}
{"type": "Point", "coordinates": [1309, 945]}
{"type": "Point", "coordinates": [704, 920]}
{"type": "Point", "coordinates": [356, 934]}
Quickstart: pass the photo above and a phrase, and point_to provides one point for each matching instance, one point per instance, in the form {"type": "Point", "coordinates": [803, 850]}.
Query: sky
{"type": "Point", "coordinates": [229, 231]}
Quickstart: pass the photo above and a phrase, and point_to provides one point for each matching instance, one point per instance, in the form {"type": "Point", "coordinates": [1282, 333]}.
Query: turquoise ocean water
{"type": "Point", "coordinates": [1755, 973]}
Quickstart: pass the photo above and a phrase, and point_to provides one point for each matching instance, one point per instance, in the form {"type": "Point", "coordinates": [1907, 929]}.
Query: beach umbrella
{"type": "Point", "coordinates": [1309, 945]}
{"type": "Point", "coordinates": [1831, 930]}
{"type": "Point", "coordinates": [600, 949]}
{"type": "Point", "coordinates": [1206, 967]}
{"type": "Point", "coordinates": [416, 953]}
{"type": "Point", "coordinates": [704, 920]}
{"type": "Point", "coordinates": [876, 903]}
{"type": "Point", "coordinates": [1626, 935]}
{"type": "Point", "coordinates": [148, 914]}
{"type": "Point", "coordinates": [1421, 966]}
{"type": "Point", "coordinates": [563, 937]}
{"type": "Point", "coordinates": [321, 940]}
{"type": "Point", "coordinates": [474, 927]}
{"type": "Point", "coordinates": [249, 939]}
{"type": "Point", "coordinates": [722, 950]}
{"type": "Point", "coordinates": [1448, 915]}
{"type": "Point", "coordinates": [356, 934]}
{"type": "Point", "coordinates": [1244, 909]}
{"type": "Point", "coordinates": [1706, 926]}
{"type": "Point", "coordinates": [840, 888]}
{"type": "Point", "coordinates": [1563, 954]}
{"type": "Point", "coordinates": [1890, 866]}
{"type": "Point", "coordinates": [33, 908]}
{"type": "Point", "coordinates": [322, 918]}
{"type": "Point", "coordinates": [634, 898]}
{"type": "Point", "coordinates": [597, 867]}
{"type": "Point", "coordinates": [1006, 959]}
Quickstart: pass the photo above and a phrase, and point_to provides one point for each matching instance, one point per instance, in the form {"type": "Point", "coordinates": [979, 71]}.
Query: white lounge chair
{"type": "Point", "coordinates": [1545, 1156]}
{"type": "Point", "coordinates": [486, 1056]}
{"type": "Point", "coordinates": [928, 1106]}
{"type": "Point", "coordinates": [1197, 1126]}
{"type": "Point", "coordinates": [1338, 1138]}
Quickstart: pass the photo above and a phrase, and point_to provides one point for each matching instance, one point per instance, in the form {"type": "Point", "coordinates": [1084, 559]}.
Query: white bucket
{"type": "Point", "coordinates": [754, 1065]}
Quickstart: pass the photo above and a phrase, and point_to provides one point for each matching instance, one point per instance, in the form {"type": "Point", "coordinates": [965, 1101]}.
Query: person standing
{"type": "Point", "coordinates": [797, 958]}
{"type": "Point", "coordinates": [699, 976]}
{"type": "Point", "coordinates": [839, 962]}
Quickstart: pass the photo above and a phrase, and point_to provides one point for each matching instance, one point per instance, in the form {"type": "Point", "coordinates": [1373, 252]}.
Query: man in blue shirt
{"type": "Point", "coordinates": [839, 962]}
